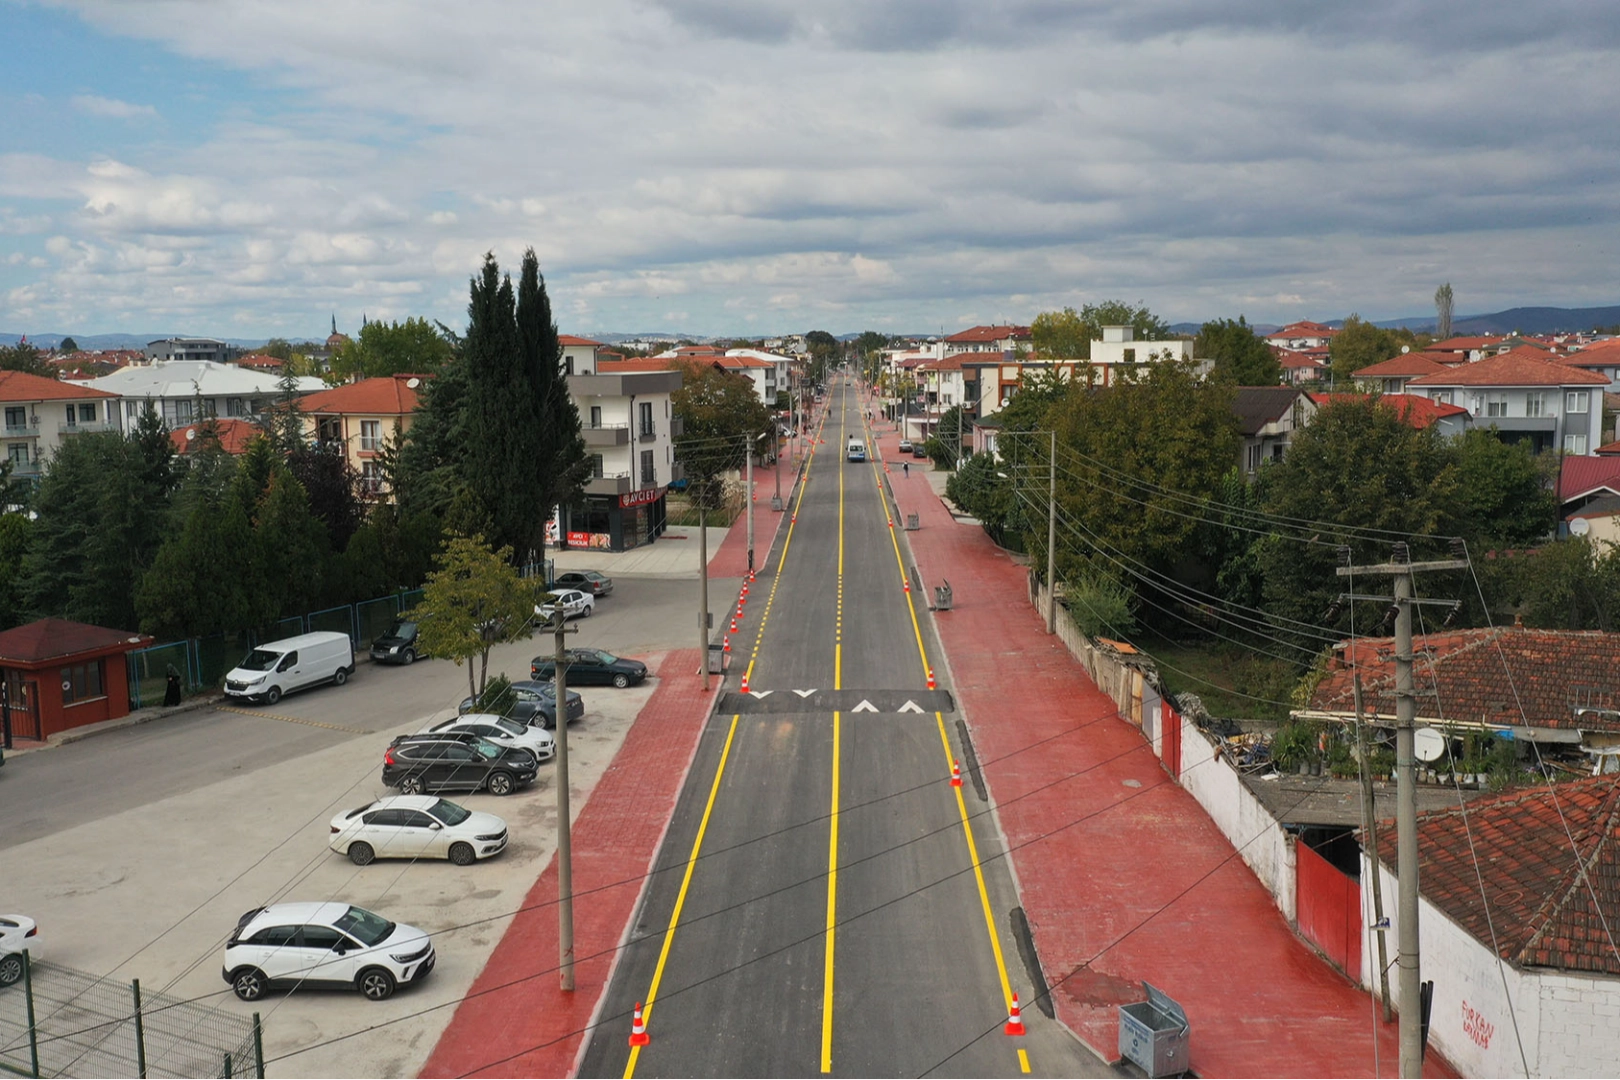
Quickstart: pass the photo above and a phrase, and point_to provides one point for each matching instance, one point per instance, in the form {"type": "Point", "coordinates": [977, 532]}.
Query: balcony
{"type": "Point", "coordinates": [24, 470]}
{"type": "Point", "coordinates": [649, 433]}
{"type": "Point", "coordinates": [677, 472]}
{"type": "Point", "coordinates": [608, 484]}
{"type": "Point", "coordinates": [606, 435]}
{"type": "Point", "coordinates": [26, 430]}
{"type": "Point", "coordinates": [677, 427]}
{"type": "Point", "coordinates": [85, 427]}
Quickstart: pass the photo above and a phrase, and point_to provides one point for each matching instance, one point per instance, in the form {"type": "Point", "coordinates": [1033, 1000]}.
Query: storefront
{"type": "Point", "coordinates": [617, 522]}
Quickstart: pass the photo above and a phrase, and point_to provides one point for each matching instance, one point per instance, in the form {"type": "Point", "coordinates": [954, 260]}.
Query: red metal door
{"type": "Point", "coordinates": [1328, 906]}
{"type": "Point", "coordinates": [1171, 739]}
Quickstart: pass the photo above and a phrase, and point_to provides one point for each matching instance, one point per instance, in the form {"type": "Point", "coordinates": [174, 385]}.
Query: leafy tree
{"type": "Point", "coordinates": [391, 348]}
{"type": "Point", "coordinates": [945, 446]}
{"type": "Point", "coordinates": [980, 488]}
{"type": "Point", "coordinates": [291, 549]}
{"type": "Point", "coordinates": [203, 579]}
{"type": "Point", "coordinates": [285, 423]}
{"type": "Point", "coordinates": [1360, 344]}
{"type": "Point", "coordinates": [721, 416]}
{"type": "Point", "coordinates": [1240, 356]}
{"type": "Point", "coordinates": [1037, 393]}
{"type": "Point", "coordinates": [471, 603]}
{"type": "Point", "coordinates": [25, 358]}
{"type": "Point", "coordinates": [1357, 465]}
{"type": "Point", "coordinates": [332, 489]}
{"type": "Point", "coordinates": [68, 346]}
{"type": "Point", "coordinates": [824, 351]}
{"type": "Point", "coordinates": [16, 532]}
{"type": "Point", "coordinates": [1504, 492]}
{"type": "Point", "coordinates": [1067, 334]}
{"type": "Point", "coordinates": [559, 462]}
{"type": "Point", "coordinates": [278, 348]}
{"type": "Point", "coordinates": [424, 472]}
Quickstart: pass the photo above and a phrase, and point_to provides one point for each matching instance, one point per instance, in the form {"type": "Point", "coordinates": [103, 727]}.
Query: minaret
{"type": "Point", "coordinates": [334, 322]}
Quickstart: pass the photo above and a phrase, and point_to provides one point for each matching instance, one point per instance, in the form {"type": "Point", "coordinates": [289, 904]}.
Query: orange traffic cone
{"type": "Point", "coordinates": [726, 646]}
{"type": "Point", "coordinates": [745, 682]}
{"type": "Point", "coordinates": [638, 1030]}
{"type": "Point", "coordinates": [1015, 1020]}
{"type": "Point", "coordinates": [956, 774]}
{"type": "Point", "coordinates": [908, 586]}
{"type": "Point", "coordinates": [734, 624]}
{"type": "Point", "coordinates": [930, 678]}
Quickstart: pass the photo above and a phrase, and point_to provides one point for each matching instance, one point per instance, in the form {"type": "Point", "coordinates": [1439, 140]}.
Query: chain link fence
{"type": "Point", "coordinates": [57, 1021]}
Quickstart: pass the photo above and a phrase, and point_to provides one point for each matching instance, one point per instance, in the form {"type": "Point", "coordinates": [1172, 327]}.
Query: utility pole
{"type": "Point", "coordinates": [1051, 538]}
{"type": "Point", "coordinates": [1410, 981]}
{"type": "Point", "coordinates": [1369, 823]}
{"type": "Point", "coordinates": [565, 848]}
{"type": "Point", "coordinates": [703, 590]}
{"type": "Point", "coordinates": [749, 481]}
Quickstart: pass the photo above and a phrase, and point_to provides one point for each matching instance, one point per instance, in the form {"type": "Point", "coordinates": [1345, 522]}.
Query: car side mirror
{"type": "Point", "coordinates": [340, 948]}
{"type": "Point", "coordinates": [435, 826]}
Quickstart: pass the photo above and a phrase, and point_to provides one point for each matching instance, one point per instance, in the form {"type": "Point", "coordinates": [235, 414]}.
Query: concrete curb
{"type": "Point", "coordinates": [134, 719]}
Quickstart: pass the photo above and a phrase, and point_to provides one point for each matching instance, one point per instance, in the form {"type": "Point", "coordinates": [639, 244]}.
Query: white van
{"type": "Point", "coordinates": [857, 450]}
{"type": "Point", "coordinates": [280, 667]}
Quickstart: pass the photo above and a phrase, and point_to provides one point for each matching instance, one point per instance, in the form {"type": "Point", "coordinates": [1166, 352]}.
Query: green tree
{"type": "Point", "coordinates": [1067, 334]}
{"type": "Point", "coordinates": [204, 579]}
{"type": "Point", "coordinates": [27, 359]}
{"type": "Point", "coordinates": [285, 423]}
{"type": "Point", "coordinates": [824, 352]}
{"type": "Point", "coordinates": [291, 549]}
{"type": "Point", "coordinates": [68, 346]}
{"type": "Point", "coordinates": [1241, 357]}
{"type": "Point", "coordinates": [1504, 492]}
{"type": "Point", "coordinates": [16, 532]}
{"type": "Point", "coordinates": [332, 489]}
{"type": "Point", "coordinates": [424, 472]}
{"type": "Point", "coordinates": [560, 464]}
{"type": "Point", "coordinates": [471, 603]}
{"type": "Point", "coordinates": [945, 445]}
{"type": "Point", "coordinates": [721, 416]}
{"type": "Point", "coordinates": [1359, 344]}
{"type": "Point", "coordinates": [1037, 394]}
{"type": "Point", "coordinates": [1360, 466]}
{"type": "Point", "coordinates": [414, 346]}
{"type": "Point", "coordinates": [278, 348]}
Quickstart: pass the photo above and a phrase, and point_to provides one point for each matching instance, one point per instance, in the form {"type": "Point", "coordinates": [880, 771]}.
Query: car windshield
{"type": "Point", "coordinates": [369, 928]}
{"type": "Point", "coordinates": [402, 630]}
{"type": "Point", "coordinates": [511, 727]}
{"type": "Point", "coordinates": [606, 657]}
{"type": "Point", "coordinates": [449, 812]}
{"type": "Point", "coordinates": [260, 660]}
{"type": "Point", "coordinates": [488, 749]}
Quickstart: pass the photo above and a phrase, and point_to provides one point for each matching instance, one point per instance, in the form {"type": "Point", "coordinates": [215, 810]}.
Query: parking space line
{"type": "Point", "coordinates": [295, 720]}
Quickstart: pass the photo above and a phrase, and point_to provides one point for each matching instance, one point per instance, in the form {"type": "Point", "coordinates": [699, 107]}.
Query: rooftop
{"type": "Point", "coordinates": [1408, 364]}
{"type": "Point", "coordinates": [1415, 409]}
{"type": "Point", "coordinates": [195, 378]}
{"type": "Point", "coordinates": [21, 386]}
{"type": "Point", "coordinates": [1524, 366]}
{"type": "Point", "coordinates": [233, 434]}
{"type": "Point", "coordinates": [989, 333]}
{"type": "Point", "coordinates": [49, 639]}
{"type": "Point", "coordinates": [1257, 406]}
{"type": "Point", "coordinates": [389, 395]}
{"type": "Point", "coordinates": [1582, 476]}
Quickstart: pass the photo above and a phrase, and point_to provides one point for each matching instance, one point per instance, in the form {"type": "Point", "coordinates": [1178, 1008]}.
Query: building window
{"type": "Point", "coordinates": [1535, 403]}
{"type": "Point", "coordinates": [17, 454]}
{"type": "Point", "coordinates": [649, 472]}
{"type": "Point", "coordinates": [596, 416]}
{"type": "Point", "coordinates": [1574, 444]}
{"type": "Point", "coordinates": [235, 407]}
{"type": "Point", "coordinates": [184, 411]}
{"type": "Point", "coordinates": [81, 682]}
{"type": "Point", "coordinates": [72, 416]}
{"type": "Point", "coordinates": [132, 409]}
{"type": "Point", "coordinates": [1496, 404]}
{"type": "Point", "coordinates": [371, 477]}
{"type": "Point", "coordinates": [371, 435]}
{"type": "Point", "coordinates": [1441, 397]}
{"type": "Point", "coordinates": [87, 413]}
{"type": "Point", "coordinates": [329, 429]}
{"type": "Point", "coordinates": [646, 418]}
{"type": "Point", "coordinates": [1254, 457]}
{"type": "Point", "coordinates": [16, 418]}
{"type": "Point", "coordinates": [1130, 356]}
{"type": "Point", "coordinates": [1577, 401]}
{"type": "Point", "coordinates": [596, 466]}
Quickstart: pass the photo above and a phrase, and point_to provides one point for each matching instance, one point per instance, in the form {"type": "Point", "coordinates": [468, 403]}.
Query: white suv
{"type": "Point", "coordinates": [325, 945]}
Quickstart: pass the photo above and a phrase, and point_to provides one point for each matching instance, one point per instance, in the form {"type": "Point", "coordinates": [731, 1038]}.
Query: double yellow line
{"type": "Point", "coordinates": [714, 789]}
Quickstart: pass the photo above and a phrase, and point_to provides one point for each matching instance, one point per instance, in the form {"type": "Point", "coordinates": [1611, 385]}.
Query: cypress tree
{"type": "Point", "coordinates": [499, 416]}
{"type": "Point", "coordinates": [561, 465]}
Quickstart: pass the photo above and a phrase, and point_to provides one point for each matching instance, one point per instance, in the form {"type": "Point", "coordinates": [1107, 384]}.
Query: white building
{"type": "Point", "coordinates": [1526, 397]}
{"type": "Point", "coordinates": [770, 380]}
{"type": "Point", "coordinates": [187, 349]}
{"type": "Point", "coordinates": [1118, 352]}
{"type": "Point", "coordinates": [187, 390]}
{"type": "Point", "coordinates": [42, 413]}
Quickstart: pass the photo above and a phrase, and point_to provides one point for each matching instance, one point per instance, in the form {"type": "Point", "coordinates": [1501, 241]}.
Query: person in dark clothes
{"type": "Point", "coordinates": [171, 694]}
{"type": "Point", "coordinates": [905, 467]}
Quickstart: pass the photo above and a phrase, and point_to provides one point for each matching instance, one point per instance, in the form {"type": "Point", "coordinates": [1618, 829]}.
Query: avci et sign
{"type": "Point", "coordinates": [643, 497]}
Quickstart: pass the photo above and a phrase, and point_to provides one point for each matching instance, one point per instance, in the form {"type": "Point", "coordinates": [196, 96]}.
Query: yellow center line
{"type": "Point", "coordinates": [961, 803]}
{"type": "Point", "coordinates": [1023, 1060]}
{"type": "Point", "coordinates": [708, 808]}
{"type": "Point", "coordinates": [294, 720]}
{"type": "Point", "coordinates": [832, 829]}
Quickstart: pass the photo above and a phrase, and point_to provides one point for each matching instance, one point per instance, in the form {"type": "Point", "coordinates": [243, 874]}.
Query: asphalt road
{"type": "Point", "coordinates": [818, 908]}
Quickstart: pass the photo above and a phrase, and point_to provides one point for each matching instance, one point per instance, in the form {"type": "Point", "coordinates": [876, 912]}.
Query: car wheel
{"type": "Point", "coordinates": [249, 984]}
{"type": "Point", "coordinates": [500, 783]}
{"type": "Point", "coordinates": [411, 785]}
{"type": "Point", "coordinates": [462, 854]}
{"type": "Point", "coordinates": [376, 983]}
{"type": "Point", "coordinates": [11, 967]}
{"type": "Point", "coordinates": [272, 695]}
{"type": "Point", "coordinates": [361, 853]}
{"type": "Point", "coordinates": [621, 680]}
{"type": "Point", "coordinates": [408, 657]}
{"type": "Point", "coordinates": [585, 613]}
{"type": "Point", "coordinates": [341, 677]}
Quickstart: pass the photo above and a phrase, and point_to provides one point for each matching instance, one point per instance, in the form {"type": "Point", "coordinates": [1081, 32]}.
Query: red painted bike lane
{"type": "Point", "coordinates": [1122, 875]}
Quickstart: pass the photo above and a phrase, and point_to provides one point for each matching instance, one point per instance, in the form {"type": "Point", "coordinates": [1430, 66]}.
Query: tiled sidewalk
{"type": "Point", "coordinates": [515, 1021]}
{"type": "Point", "coordinates": [1122, 875]}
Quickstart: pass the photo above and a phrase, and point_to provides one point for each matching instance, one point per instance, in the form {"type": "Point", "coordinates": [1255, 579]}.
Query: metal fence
{"type": "Point", "coordinates": [60, 1022]}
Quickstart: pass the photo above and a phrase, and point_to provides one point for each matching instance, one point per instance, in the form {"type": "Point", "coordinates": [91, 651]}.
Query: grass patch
{"type": "Point", "coordinates": [680, 511]}
{"type": "Point", "coordinates": [1231, 681]}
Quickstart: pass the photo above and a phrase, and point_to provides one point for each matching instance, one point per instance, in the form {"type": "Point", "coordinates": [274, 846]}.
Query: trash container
{"type": "Point", "coordinates": [717, 659]}
{"type": "Point", "coordinates": [1153, 1034]}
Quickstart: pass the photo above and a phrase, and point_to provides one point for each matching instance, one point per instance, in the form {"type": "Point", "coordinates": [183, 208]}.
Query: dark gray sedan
{"type": "Point", "coordinates": [536, 704]}
{"type": "Point", "coordinates": [592, 581]}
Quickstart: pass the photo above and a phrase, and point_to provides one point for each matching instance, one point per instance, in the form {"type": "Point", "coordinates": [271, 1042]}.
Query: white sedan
{"type": "Point", "coordinates": [417, 827]}
{"type": "Point", "coordinates": [575, 604]}
{"type": "Point", "coordinates": [17, 932]}
{"type": "Point", "coordinates": [499, 730]}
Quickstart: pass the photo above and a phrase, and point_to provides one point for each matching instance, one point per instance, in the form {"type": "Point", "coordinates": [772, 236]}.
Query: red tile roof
{"type": "Point", "coordinates": [635, 364]}
{"type": "Point", "coordinates": [1415, 409]}
{"type": "Point", "coordinates": [261, 362]}
{"type": "Point", "coordinates": [1464, 344]}
{"type": "Point", "coordinates": [1297, 358]}
{"type": "Point", "coordinates": [1605, 355]}
{"type": "Point", "coordinates": [1411, 364]}
{"type": "Point", "coordinates": [1608, 448]}
{"type": "Point", "coordinates": [1580, 476]}
{"type": "Point", "coordinates": [1527, 891]}
{"type": "Point", "coordinates": [48, 639]}
{"type": "Point", "coordinates": [234, 436]}
{"type": "Point", "coordinates": [21, 386]}
{"type": "Point", "coordinates": [1523, 366]}
{"type": "Point", "coordinates": [1302, 330]}
{"type": "Point", "coordinates": [1485, 676]}
{"type": "Point", "coordinates": [390, 395]}
{"type": "Point", "coordinates": [989, 333]}
{"type": "Point", "coordinates": [569, 339]}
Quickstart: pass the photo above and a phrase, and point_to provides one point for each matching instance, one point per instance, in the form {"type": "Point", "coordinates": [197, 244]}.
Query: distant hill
{"type": "Point", "coordinates": [1522, 320]}
{"type": "Point", "coordinates": [96, 342]}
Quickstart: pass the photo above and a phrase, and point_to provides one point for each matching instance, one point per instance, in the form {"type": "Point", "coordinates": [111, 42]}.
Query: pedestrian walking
{"type": "Point", "coordinates": [172, 691]}
{"type": "Point", "coordinates": [905, 468]}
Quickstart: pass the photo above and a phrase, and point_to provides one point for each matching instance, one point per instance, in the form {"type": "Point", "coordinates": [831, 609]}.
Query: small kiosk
{"type": "Point", "coordinates": [56, 674]}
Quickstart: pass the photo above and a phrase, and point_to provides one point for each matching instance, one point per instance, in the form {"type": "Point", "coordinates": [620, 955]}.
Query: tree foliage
{"type": "Point", "coordinates": [1068, 334]}
{"type": "Point", "coordinates": [721, 417]}
{"type": "Point", "coordinates": [1241, 357]}
{"type": "Point", "coordinates": [68, 346]}
{"type": "Point", "coordinates": [414, 346]}
{"type": "Point", "coordinates": [27, 359]}
{"type": "Point", "coordinates": [1504, 492]}
{"type": "Point", "coordinates": [562, 464]}
{"type": "Point", "coordinates": [1360, 344]}
{"type": "Point", "coordinates": [472, 602]}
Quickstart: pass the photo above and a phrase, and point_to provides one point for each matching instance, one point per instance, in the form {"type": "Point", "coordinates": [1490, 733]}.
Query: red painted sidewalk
{"type": "Point", "coordinates": [515, 1021]}
{"type": "Point", "coordinates": [731, 560]}
{"type": "Point", "coordinates": [1121, 873]}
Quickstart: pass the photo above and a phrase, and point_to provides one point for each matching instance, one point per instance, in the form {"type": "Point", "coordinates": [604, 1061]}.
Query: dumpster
{"type": "Point", "coordinates": [717, 659]}
{"type": "Point", "coordinates": [1153, 1034]}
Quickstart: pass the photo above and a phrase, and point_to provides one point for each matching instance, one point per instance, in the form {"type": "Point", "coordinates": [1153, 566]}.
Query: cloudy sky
{"type": "Point", "coordinates": [246, 168]}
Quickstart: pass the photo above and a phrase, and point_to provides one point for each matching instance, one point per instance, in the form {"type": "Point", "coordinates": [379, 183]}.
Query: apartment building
{"type": "Point", "coordinates": [43, 413]}
{"type": "Point", "coordinates": [362, 417]}
{"type": "Point", "coordinates": [628, 420]}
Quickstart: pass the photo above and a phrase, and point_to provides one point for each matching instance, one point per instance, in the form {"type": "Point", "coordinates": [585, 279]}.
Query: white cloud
{"type": "Point", "coordinates": [112, 108]}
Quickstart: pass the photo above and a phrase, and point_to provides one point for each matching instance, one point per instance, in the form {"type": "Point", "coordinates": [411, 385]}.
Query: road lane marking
{"type": "Point", "coordinates": [1023, 1060]}
{"type": "Point", "coordinates": [832, 827]}
{"type": "Point", "coordinates": [294, 720]}
{"type": "Point", "coordinates": [680, 896]}
{"type": "Point", "coordinates": [961, 804]}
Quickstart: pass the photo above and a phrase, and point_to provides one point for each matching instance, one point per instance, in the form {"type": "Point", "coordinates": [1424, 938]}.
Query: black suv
{"type": "Point", "coordinates": [397, 646]}
{"type": "Point", "coordinates": [535, 704]}
{"type": "Point", "coordinates": [422, 764]}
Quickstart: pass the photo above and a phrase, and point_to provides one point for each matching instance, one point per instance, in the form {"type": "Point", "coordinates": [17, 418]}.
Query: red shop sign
{"type": "Point", "coordinates": [642, 497]}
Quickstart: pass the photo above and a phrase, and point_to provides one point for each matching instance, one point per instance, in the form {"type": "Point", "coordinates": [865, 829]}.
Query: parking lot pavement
{"type": "Point", "coordinates": [139, 849]}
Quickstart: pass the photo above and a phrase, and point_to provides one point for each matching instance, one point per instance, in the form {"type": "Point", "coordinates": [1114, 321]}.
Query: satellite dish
{"type": "Point", "coordinates": [191, 433]}
{"type": "Point", "coordinates": [1579, 527]}
{"type": "Point", "coordinates": [1428, 744]}
{"type": "Point", "coordinates": [413, 382]}
{"type": "Point", "coordinates": [1405, 349]}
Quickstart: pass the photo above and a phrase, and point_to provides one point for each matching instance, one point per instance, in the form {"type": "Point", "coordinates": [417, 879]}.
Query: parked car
{"type": "Point", "coordinates": [905, 446]}
{"type": "Point", "coordinates": [326, 945]}
{"type": "Point", "coordinates": [417, 827]}
{"type": "Point", "coordinates": [397, 645]}
{"type": "Point", "coordinates": [536, 704]}
{"type": "Point", "coordinates": [592, 581]}
{"type": "Point", "coordinates": [590, 667]}
{"type": "Point", "coordinates": [917, 450]}
{"type": "Point", "coordinates": [419, 764]}
{"type": "Point", "coordinates": [280, 667]}
{"type": "Point", "coordinates": [17, 932]}
{"type": "Point", "coordinates": [500, 731]}
{"type": "Point", "coordinates": [575, 604]}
